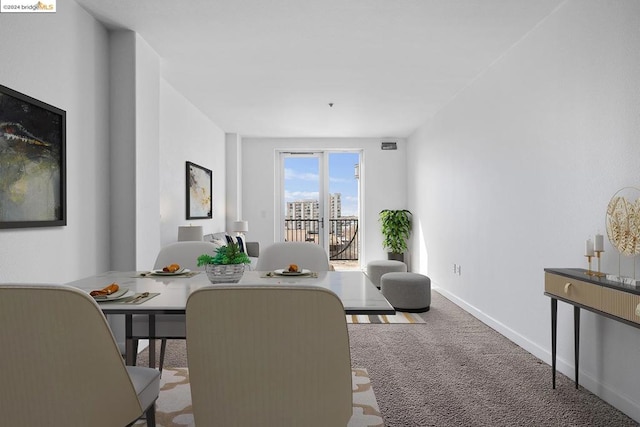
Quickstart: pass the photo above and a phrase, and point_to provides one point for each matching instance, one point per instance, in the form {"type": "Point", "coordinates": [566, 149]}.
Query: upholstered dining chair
{"type": "Point", "coordinates": [185, 254]}
{"type": "Point", "coordinates": [305, 254]}
{"type": "Point", "coordinates": [268, 355]}
{"type": "Point", "coordinates": [60, 364]}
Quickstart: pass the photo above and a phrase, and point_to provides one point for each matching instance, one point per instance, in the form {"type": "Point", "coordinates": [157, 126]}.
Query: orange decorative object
{"type": "Point", "coordinates": [105, 291]}
{"type": "Point", "coordinates": [172, 268]}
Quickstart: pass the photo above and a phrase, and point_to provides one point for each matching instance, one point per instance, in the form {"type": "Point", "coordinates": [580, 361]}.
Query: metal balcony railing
{"type": "Point", "coordinates": [343, 235]}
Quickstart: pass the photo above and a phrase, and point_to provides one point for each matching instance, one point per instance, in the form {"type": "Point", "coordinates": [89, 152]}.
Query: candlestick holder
{"type": "Point", "coordinates": [589, 272]}
{"type": "Point", "coordinates": [598, 273]}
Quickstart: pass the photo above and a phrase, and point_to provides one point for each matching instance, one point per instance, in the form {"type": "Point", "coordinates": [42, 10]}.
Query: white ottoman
{"type": "Point", "coordinates": [375, 269]}
{"type": "Point", "coordinates": [409, 292]}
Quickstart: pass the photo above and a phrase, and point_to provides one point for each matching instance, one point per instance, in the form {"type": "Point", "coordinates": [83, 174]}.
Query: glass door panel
{"type": "Point", "coordinates": [302, 204]}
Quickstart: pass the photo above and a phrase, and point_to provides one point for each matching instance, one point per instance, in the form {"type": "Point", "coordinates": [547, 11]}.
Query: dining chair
{"type": "Point", "coordinates": [60, 364]}
{"type": "Point", "coordinates": [184, 253]}
{"type": "Point", "coordinates": [305, 254]}
{"type": "Point", "coordinates": [268, 355]}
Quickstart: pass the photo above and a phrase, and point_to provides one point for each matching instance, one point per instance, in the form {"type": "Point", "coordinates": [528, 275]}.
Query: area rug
{"type": "Point", "coordinates": [399, 317]}
{"type": "Point", "coordinates": [173, 407]}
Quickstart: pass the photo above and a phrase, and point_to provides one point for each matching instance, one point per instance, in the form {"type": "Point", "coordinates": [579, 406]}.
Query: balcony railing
{"type": "Point", "coordinates": [343, 235]}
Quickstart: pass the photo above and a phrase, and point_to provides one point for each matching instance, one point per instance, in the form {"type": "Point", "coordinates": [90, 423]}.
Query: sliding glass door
{"type": "Point", "coordinates": [320, 201]}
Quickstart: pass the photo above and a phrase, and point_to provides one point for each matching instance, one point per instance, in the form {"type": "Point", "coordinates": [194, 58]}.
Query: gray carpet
{"type": "Point", "coordinates": [456, 371]}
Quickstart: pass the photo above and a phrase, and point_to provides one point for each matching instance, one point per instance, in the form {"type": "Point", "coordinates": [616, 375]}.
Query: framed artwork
{"type": "Point", "coordinates": [32, 162]}
{"type": "Point", "coordinates": [199, 192]}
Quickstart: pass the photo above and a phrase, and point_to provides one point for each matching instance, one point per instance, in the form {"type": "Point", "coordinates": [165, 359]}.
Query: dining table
{"type": "Point", "coordinates": [154, 293]}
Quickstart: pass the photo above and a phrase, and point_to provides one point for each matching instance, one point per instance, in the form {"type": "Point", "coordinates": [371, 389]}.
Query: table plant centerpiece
{"type": "Point", "coordinates": [226, 266]}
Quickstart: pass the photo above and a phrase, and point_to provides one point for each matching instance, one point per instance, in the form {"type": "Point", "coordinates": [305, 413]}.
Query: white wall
{"type": "Point", "coordinates": [147, 154]}
{"type": "Point", "coordinates": [187, 135]}
{"type": "Point", "coordinates": [61, 59]}
{"type": "Point", "coordinates": [516, 173]}
{"type": "Point", "coordinates": [65, 59]}
{"type": "Point", "coordinates": [382, 172]}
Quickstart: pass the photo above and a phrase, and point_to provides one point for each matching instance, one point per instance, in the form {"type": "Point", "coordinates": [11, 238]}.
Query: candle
{"type": "Point", "coordinates": [599, 243]}
{"type": "Point", "coordinates": [589, 248]}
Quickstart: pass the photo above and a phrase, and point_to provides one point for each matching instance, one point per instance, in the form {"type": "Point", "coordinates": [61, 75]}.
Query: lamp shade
{"type": "Point", "coordinates": [240, 226]}
{"type": "Point", "coordinates": [190, 233]}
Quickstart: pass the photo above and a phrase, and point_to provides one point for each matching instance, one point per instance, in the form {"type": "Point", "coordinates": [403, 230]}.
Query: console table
{"type": "Point", "coordinates": [597, 294]}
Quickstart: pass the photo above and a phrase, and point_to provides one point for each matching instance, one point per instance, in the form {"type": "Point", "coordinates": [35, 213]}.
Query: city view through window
{"type": "Point", "coordinates": [304, 218]}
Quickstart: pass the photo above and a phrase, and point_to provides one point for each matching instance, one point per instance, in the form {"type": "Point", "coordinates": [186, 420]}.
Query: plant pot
{"type": "Point", "coordinates": [224, 273]}
{"type": "Point", "coordinates": [395, 256]}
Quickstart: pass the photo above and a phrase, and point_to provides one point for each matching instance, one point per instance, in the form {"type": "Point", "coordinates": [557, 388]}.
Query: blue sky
{"type": "Point", "coordinates": [302, 175]}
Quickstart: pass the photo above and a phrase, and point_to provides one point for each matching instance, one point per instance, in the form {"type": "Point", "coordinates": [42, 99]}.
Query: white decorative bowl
{"type": "Point", "coordinates": [224, 273]}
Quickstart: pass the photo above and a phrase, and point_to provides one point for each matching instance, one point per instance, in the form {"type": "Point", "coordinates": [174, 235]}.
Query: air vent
{"type": "Point", "coordinates": [389, 146]}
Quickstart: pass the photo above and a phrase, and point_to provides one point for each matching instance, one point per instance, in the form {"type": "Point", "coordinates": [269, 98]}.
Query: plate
{"type": "Point", "coordinates": [166, 273]}
{"type": "Point", "coordinates": [119, 294]}
{"type": "Point", "coordinates": [283, 272]}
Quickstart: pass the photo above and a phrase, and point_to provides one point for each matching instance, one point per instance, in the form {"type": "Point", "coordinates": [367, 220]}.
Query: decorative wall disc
{"type": "Point", "coordinates": [623, 221]}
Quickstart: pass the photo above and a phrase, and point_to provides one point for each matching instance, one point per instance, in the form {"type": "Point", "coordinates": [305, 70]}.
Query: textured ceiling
{"type": "Point", "coordinates": [271, 68]}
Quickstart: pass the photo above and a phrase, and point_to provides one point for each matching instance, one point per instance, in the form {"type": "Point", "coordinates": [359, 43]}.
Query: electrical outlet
{"type": "Point", "coordinates": [455, 268]}
{"type": "Point", "coordinates": [459, 269]}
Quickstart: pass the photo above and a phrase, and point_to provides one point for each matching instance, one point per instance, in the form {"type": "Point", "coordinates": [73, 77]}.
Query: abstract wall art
{"type": "Point", "coordinates": [199, 192]}
{"type": "Point", "coordinates": [32, 162]}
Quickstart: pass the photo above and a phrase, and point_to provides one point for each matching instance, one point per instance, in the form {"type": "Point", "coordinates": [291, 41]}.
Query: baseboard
{"type": "Point", "coordinates": [613, 397]}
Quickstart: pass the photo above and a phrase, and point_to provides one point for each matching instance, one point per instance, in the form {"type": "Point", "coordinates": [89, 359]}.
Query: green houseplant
{"type": "Point", "coordinates": [226, 266]}
{"type": "Point", "coordinates": [396, 228]}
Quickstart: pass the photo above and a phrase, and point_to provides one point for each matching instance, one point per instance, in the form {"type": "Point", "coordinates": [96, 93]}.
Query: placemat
{"type": "Point", "coordinates": [272, 274]}
{"type": "Point", "coordinates": [133, 299]}
{"type": "Point", "coordinates": [176, 276]}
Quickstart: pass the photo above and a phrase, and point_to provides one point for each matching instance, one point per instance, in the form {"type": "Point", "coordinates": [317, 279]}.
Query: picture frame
{"type": "Point", "coordinates": [33, 175]}
{"type": "Point", "coordinates": [199, 182]}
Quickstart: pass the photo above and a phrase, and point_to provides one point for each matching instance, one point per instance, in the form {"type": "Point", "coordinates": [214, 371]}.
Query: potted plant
{"type": "Point", "coordinates": [396, 228]}
{"type": "Point", "coordinates": [226, 266]}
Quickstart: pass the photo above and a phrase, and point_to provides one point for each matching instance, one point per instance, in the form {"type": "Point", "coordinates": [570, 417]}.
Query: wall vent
{"type": "Point", "coordinates": [389, 146]}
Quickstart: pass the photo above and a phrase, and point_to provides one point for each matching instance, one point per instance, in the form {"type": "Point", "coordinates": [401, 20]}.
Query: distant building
{"type": "Point", "coordinates": [335, 207]}
{"type": "Point", "coordinates": [310, 209]}
{"type": "Point", "coordinates": [307, 213]}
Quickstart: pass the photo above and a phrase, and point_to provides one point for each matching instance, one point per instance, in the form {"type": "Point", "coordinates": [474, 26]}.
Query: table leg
{"type": "Point", "coordinates": [576, 337]}
{"type": "Point", "coordinates": [129, 351]}
{"type": "Point", "coordinates": [152, 340]}
{"type": "Point", "coordinates": [554, 336]}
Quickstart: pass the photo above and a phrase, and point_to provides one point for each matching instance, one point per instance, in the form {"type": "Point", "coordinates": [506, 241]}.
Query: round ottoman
{"type": "Point", "coordinates": [375, 269]}
{"type": "Point", "coordinates": [409, 292]}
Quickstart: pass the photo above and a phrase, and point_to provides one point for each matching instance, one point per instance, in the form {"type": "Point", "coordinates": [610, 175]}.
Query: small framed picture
{"type": "Point", "coordinates": [199, 192]}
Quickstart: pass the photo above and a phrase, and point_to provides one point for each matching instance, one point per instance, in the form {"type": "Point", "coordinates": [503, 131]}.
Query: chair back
{"type": "Point", "coordinates": [185, 254]}
{"type": "Point", "coordinates": [60, 365]}
{"type": "Point", "coordinates": [268, 355]}
{"type": "Point", "coordinates": [305, 254]}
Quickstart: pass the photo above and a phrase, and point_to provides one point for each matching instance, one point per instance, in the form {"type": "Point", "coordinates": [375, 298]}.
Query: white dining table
{"type": "Point", "coordinates": [357, 293]}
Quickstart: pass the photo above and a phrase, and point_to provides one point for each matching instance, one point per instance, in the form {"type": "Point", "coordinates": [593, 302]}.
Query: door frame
{"type": "Point", "coordinates": [323, 169]}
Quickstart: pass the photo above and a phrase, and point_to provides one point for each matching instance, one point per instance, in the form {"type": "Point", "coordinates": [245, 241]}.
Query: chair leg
{"type": "Point", "coordinates": [163, 349]}
{"type": "Point", "coordinates": [135, 352]}
{"type": "Point", "coordinates": [151, 415]}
